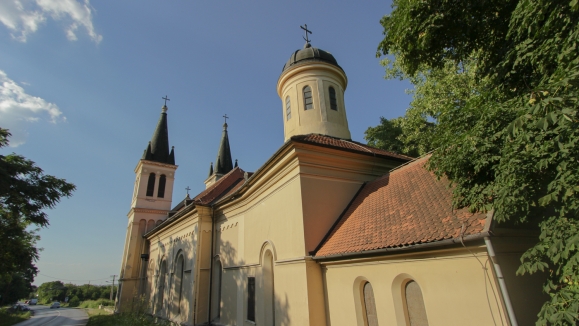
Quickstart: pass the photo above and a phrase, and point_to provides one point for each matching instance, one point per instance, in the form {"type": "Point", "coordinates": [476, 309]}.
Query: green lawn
{"type": "Point", "coordinates": [125, 320]}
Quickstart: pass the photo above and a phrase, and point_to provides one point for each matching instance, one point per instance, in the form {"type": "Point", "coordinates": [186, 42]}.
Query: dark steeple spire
{"type": "Point", "coordinates": [158, 148]}
{"type": "Point", "coordinates": [211, 169]}
{"type": "Point", "coordinates": [224, 163]}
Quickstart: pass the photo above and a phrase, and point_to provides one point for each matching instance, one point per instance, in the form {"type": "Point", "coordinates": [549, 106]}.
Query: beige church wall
{"type": "Point", "coordinates": [453, 285]}
{"type": "Point", "coordinates": [336, 194]}
{"type": "Point", "coordinates": [525, 291]}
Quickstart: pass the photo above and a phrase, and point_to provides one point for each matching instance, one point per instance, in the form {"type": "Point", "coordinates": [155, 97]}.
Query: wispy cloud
{"type": "Point", "coordinates": [24, 17]}
{"type": "Point", "coordinates": [18, 110]}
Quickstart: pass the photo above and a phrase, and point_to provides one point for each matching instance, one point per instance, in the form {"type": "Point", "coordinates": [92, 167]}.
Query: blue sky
{"type": "Point", "coordinates": [81, 85]}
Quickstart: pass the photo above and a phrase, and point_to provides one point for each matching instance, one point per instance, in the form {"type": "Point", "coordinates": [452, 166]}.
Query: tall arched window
{"type": "Point", "coordinates": [162, 182]}
{"type": "Point", "coordinates": [415, 304]}
{"type": "Point", "coordinates": [179, 284]}
{"type": "Point", "coordinates": [216, 296]}
{"type": "Point", "coordinates": [288, 109]}
{"type": "Point", "coordinates": [333, 102]}
{"type": "Point", "coordinates": [308, 101]}
{"type": "Point", "coordinates": [370, 305]}
{"type": "Point", "coordinates": [161, 286]}
{"type": "Point", "coordinates": [151, 185]}
{"type": "Point", "coordinates": [268, 288]}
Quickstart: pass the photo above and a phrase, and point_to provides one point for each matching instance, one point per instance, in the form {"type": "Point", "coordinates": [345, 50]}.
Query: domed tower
{"type": "Point", "coordinates": [311, 87]}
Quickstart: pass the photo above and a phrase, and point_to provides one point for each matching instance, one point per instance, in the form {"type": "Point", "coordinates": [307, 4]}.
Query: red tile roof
{"type": "Point", "coordinates": [408, 206]}
{"type": "Point", "coordinates": [225, 185]}
{"type": "Point", "coordinates": [349, 145]}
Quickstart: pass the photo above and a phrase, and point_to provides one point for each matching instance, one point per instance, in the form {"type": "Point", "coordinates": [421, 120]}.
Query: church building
{"type": "Point", "coordinates": [328, 231]}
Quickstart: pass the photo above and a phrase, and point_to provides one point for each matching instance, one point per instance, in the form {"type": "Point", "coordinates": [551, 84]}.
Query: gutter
{"type": "Point", "coordinates": [473, 237]}
{"type": "Point", "coordinates": [502, 284]}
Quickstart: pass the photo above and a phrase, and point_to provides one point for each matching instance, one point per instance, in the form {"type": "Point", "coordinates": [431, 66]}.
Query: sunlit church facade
{"type": "Point", "coordinates": [328, 231]}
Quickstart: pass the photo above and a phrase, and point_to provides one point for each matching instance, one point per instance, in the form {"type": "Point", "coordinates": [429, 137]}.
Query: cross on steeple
{"type": "Point", "coordinates": [166, 99]}
{"type": "Point", "coordinates": [306, 31]}
{"type": "Point", "coordinates": [226, 117]}
{"type": "Point", "coordinates": [187, 190]}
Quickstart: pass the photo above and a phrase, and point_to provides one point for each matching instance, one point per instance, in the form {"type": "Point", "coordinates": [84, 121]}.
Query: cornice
{"type": "Point", "coordinates": [147, 162]}
{"type": "Point", "coordinates": [147, 210]}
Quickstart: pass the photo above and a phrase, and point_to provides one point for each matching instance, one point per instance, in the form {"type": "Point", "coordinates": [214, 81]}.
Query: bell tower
{"type": "Point", "coordinates": [311, 87]}
{"type": "Point", "coordinates": [155, 174]}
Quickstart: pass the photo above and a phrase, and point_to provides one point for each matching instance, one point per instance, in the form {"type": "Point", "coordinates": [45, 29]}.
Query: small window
{"type": "Point", "coordinates": [308, 101]}
{"type": "Point", "coordinates": [162, 181]}
{"type": "Point", "coordinates": [370, 305]}
{"type": "Point", "coordinates": [151, 185]}
{"type": "Point", "coordinates": [415, 304]}
{"type": "Point", "coordinates": [251, 299]}
{"type": "Point", "coordinates": [333, 102]}
{"type": "Point", "coordinates": [288, 109]}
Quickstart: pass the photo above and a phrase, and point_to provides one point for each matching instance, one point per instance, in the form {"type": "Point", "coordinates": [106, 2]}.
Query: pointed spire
{"type": "Point", "coordinates": [224, 163]}
{"type": "Point", "coordinates": [211, 169]}
{"type": "Point", "coordinates": [158, 148]}
{"type": "Point", "coordinates": [235, 163]}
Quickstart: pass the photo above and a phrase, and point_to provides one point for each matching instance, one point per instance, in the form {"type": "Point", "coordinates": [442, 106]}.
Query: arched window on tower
{"type": "Point", "coordinates": [370, 305]}
{"type": "Point", "coordinates": [179, 284]}
{"type": "Point", "coordinates": [333, 102]}
{"type": "Point", "coordinates": [288, 109]}
{"type": "Point", "coordinates": [414, 304]}
{"type": "Point", "coordinates": [151, 185]}
{"type": "Point", "coordinates": [162, 182]}
{"type": "Point", "coordinates": [308, 101]}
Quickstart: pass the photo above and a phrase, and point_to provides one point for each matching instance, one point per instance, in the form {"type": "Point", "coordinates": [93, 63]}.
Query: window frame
{"type": "Point", "coordinates": [162, 186]}
{"type": "Point", "coordinates": [333, 98]}
{"type": "Point", "coordinates": [251, 298]}
{"type": "Point", "coordinates": [151, 184]}
{"type": "Point", "coordinates": [308, 106]}
{"type": "Point", "coordinates": [288, 109]}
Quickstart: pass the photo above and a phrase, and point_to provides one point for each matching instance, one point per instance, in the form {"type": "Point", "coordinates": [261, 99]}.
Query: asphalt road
{"type": "Point", "coordinates": [44, 316]}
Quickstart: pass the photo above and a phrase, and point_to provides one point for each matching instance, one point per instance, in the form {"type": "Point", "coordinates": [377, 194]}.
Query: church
{"type": "Point", "coordinates": [328, 231]}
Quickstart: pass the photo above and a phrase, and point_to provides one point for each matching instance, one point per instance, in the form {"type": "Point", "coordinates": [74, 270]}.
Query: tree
{"type": "Point", "coordinates": [507, 132]}
{"type": "Point", "coordinates": [52, 291]}
{"type": "Point", "coordinates": [25, 192]}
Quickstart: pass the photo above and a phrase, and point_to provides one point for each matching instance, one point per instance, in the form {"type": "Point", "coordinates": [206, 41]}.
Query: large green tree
{"type": "Point", "coordinates": [25, 193]}
{"type": "Point", "coordinates": [500, 80]}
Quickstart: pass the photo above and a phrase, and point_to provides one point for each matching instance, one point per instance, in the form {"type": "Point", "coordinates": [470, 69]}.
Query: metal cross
{"type": "Point", "coordinates": [187, 190]}
{"type": "Point", "coordinates": [226, 117]}
{"type": "Point", "coordinates": [306, 32]}
{"type": "Point", "coordinates": [166, 99]}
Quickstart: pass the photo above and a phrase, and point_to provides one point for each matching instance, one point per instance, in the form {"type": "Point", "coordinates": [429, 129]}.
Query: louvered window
{"type": "Point", "coordinates": [288, 109]}
{"type": "Point", "coordinates": [151, 185]}
{"type": "Point", "coordinates": [308, 101]}
{"type": "Point", "coordinates": [162, 182]}
{"type": "Point", "coordinates": [333, 102]}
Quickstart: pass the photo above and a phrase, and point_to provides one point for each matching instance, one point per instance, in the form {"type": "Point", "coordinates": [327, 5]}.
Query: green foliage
{"type": "Point", "coordinates": [52, 291]}
{"type": "Point", "coordinates": [94, 304]}
{"type": "Point", "coordinates": [500, 79]}
{"type": "Point", "coordinates": [126, 319]}
{"type": "Point", "coordinates": [25, 191]}
{"type": "Point", "coordinates": [9, 318]}
{"type": "Point", "coordinates": [74, 302]}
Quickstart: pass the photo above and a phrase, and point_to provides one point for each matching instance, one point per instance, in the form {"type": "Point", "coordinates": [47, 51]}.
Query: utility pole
{"type": "Point", "coordinates": [113, 287]}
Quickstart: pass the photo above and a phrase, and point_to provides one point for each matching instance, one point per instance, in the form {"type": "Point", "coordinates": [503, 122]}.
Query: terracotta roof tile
{"type": "Point", "coordinates": [407, 206]}
{"type": "Point", "coordinates": [224, 186]}
{"type": "Point", "coordinates": [349, 145]}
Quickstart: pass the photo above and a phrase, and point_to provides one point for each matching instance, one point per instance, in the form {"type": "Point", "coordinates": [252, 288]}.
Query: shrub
{"type": "Point", "coordinates": [74, 302]}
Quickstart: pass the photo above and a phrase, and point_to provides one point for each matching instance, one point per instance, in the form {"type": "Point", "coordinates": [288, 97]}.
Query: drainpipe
{"type": "Point", "coordinates": [502, 284]}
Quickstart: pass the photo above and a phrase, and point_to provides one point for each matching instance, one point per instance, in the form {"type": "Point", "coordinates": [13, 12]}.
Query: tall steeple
{"type": "Point", "coordinates": [158, 148]}
{"type": "Point", "coordinates": [223, 162]}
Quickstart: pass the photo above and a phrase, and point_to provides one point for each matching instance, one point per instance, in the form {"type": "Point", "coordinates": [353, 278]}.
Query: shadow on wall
{"type": "Point", "coordinates": [234, 272]}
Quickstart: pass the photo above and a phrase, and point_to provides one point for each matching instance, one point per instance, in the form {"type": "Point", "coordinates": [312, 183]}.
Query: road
{"type": "Point", "coordinates": [44, 316]}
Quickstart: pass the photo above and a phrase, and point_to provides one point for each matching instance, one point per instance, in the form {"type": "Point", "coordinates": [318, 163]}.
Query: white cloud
{"type": "Point", "coordinates": [23, 17]}
{"type": "Point", "coordinates": [18, 110]}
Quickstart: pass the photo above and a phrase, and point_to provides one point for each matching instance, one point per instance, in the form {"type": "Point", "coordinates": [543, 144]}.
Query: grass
{"type": "Point", "coordinates": [11, 318]}
{"type": "Point", "coordinates": [96, 312]}
{"type": "Point", "coordinates": [126, 319]}
{"type": "Point", "coordinates": [94, 304]}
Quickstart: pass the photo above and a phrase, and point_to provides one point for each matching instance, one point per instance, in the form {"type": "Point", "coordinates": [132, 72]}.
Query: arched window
{"type": "Point", "coordinates": [268, 288]}
{"type": "Point", "coordinates": [333, 102]}
{"type": "Point", "coordinates": [216, 297]}
{"type": "Point", "coordinates": [415, 304]}
{"type": "Point", "coordinates": [179, 284]}
{"type": "Point", "coordinates": [161, 286]}
{"type": "Point", "coordinates": [288, 109]}
{"type": "Point", "coordinates": [151, 185]}
{"type": "Point", "coordinates": [162, 181]}
{"type": "Point", "coordinates": [370, 305]}
{"type": "Point", "coordinates": [308, 101]}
